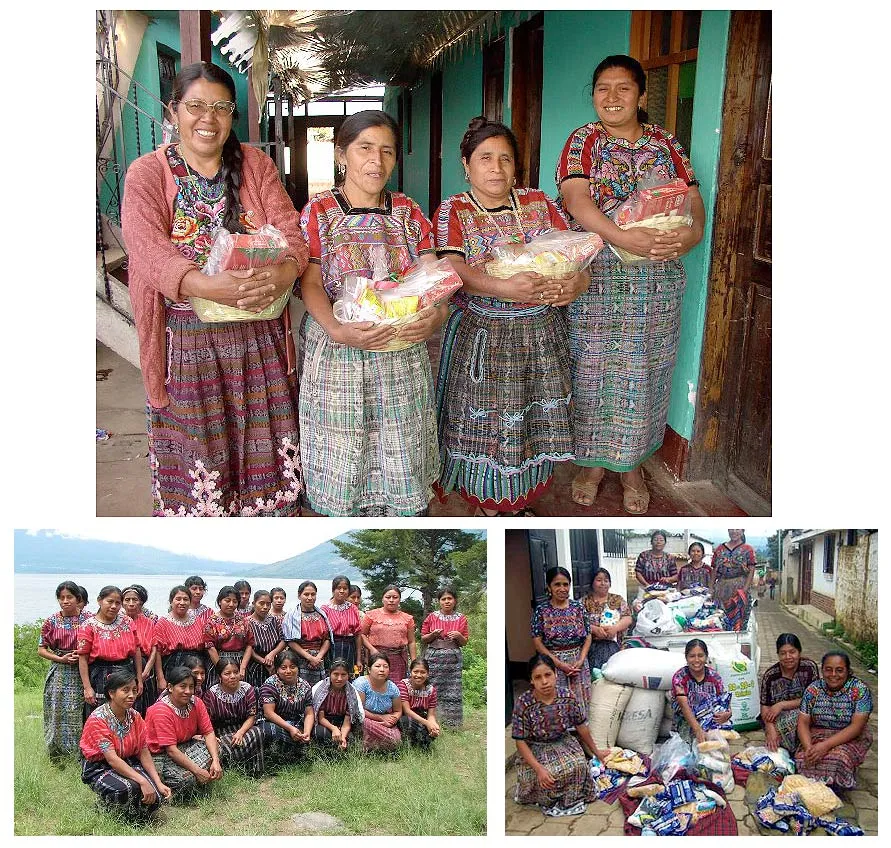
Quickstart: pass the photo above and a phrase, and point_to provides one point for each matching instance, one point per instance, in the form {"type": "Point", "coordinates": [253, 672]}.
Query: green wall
{"type": "Point", "coordinates": [416, 165]}
{"type": "Point", "coordinates": [462, 99]}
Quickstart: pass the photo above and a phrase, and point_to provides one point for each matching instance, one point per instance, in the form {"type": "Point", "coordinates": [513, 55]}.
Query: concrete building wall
{"type": "Point", "coordinates": [790, 577]}
{"type": "Point", "coordinates": [858, 584]}
{"type": "Point", "coordinates": [824, 584]}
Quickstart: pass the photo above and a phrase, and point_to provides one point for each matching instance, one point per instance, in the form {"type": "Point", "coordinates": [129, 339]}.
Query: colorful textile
{"type": "Point", "coordinates": [376, 736]}
{"type": "Point", "coordinates": [602, 649]}
{"type": "Point", "coordinates": [654, 567]}
{"type": "Point", "coordinates": [98, 672]}
{"type": "Point", "coordinates": [503, 420]}
{"type": "Point", "coordinates": [119, 794]}
{"type": "Point", "coordinates": [369, 416]}
{"type": "Point", "coordinates": [689, 576]}
{"type": "Point", "coordinates": [398, 658]}
{"type": "Point", "coordinates": [413, 731]}
{"type": "Point", "coordinates": [144, 627]}
{"type": "Point", "coordinates": [720, 822]}
{"type": "Point", "coordinates": [345, 624]}
{"type": "Point", "coordinates": [377, 702]}
{"type": "Point", "coordinates": [731, 567]}
{"type": "Point", "coordinates": [696, 691]}
{"type": "Point", "coordinates": [229, 711]}
{"type": "Point", "coordinates": [290, 701]}
{"type": "Point", "coordinates": [174, 634]}
{"type": "Point", "coordinates": [168, 725]}
{"type": "Point", "coordinates": [227, 443]}
{"type": "Point", "coordinates": [560, 627]}
{"type": "Point", "coordinates": [835, 710]}
{"type": "Point", "coordinates": [97, 640]}
{"type": "Point", "coordinates": [63, 691]}
{"type": "Point", "coordinates": [266, 635]}
{"type": "Point", "coordinates": [446, 663]}
{"type": "Point", "coordinates": [417, 699]}
{"type": "Point", "coordinates": [534, 721]}
{"type": "Point", "coordinates": [337, 703]}
{"type": "Point", "coordinates": [310, 630]}
{"type": "Point", "coordinates": [390, 633]}
{"type": "Point", "coordinates": [103, 731]}
{"type": "Point", "coordinates": [227, 634]}
{"type": "Point", "coordinates": [182, 782]}
{"type": "Point", "coordinates": [776, 688]}
{"type": "Point", "coordinates": [736, 610]}
{"type": "Point", "coordinates": [564, 759]}
{"type": "Point", "coordinates": [624, 330]}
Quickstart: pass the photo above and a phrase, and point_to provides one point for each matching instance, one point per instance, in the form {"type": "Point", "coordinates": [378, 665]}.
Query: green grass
{"type": "Point", "coordinates": [409, 793]}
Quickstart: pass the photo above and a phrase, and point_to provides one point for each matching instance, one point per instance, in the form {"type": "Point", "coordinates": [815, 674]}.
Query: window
{"type": "Point", "coordinates": [829, 555]}
{"type": "Point", "coordinates": [167, 60]}
{"type": "Point", "coordinates": [667, 44]}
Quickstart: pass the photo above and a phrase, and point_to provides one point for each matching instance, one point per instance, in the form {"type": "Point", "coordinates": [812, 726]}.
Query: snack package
{"type": "Point", "coordinates": [238, 252]}
{"type": "Point", "coordinates": [558, 253]}
{"type": "Point", "coordinates": [656, 203]}
{"type": "Point", "coordinates": [394, 299]}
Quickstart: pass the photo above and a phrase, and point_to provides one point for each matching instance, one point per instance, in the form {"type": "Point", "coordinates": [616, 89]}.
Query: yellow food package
{"type": "Point", "coordinates": [371, 301]}
{"type": "Point", "coordinates": [816, 796]}
{"type": "Point", "coordinates": [401, 306]}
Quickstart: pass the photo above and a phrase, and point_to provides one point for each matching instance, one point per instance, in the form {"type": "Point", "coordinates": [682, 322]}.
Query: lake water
{"type": "Point", "coordinates": [35, 594]}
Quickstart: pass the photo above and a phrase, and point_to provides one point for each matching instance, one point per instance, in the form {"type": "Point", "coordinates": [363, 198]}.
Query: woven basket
{"type": "Point", "coordinates": [657, 222]}
{"type": "Point", "coordinates": [211, 312]}
{"type": "Point", "coordinates": [503, 270]}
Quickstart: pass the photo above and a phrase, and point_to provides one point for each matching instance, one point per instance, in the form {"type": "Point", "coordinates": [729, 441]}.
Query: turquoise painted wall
{"type": "Point", "coordinates": [574, 43]}
{"type": "Point", "coordinates": [416, 174]}
{"type": "Point", "coordinates": [711, 67]}
{"type": "Point", "coordinates": [462, 99]}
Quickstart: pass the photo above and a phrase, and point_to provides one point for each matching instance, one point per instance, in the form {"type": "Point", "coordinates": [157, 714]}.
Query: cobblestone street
{"type": "Point", "coordinates": [602, 819]}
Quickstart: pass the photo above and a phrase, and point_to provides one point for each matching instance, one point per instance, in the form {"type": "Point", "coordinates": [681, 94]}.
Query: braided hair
{"type": "Point", "coordinates": [232, 155]}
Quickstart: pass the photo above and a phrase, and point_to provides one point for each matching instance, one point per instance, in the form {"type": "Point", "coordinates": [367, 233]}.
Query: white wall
{"type": "Point", "coordinates": [824, 583]}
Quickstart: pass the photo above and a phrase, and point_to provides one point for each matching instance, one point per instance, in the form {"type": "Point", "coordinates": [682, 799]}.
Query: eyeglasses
{"type": "Point", "coordinates": [200, 107]}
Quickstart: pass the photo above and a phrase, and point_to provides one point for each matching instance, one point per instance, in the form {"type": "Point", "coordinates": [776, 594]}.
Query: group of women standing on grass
{"type": "Point", "coordinates": [158, 705]}
{"type": "Point", "coordinates": [534, 370]}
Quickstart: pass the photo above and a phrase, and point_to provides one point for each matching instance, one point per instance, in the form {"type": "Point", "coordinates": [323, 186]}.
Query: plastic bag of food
{"type": "Point", "coordinates": [238, 252]}
{"type": "Point", "coordinates": [655, 619]}
{"type": "Point", "coordinates": [656, 203]}
{"type": "Point", "coordinates": [394, 299]}
{"type": "Point", "coordinates": [672, 756]}
{"type": "Point", "coordinates": [559, 253]}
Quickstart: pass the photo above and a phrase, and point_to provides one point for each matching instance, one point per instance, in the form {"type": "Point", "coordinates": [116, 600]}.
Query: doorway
{"type": "Point", "coordinates": [731, 442]}
{"type": "Point", "coordinates": [526, 84]}
{"type": "Point", "coordinates": [807, 572]}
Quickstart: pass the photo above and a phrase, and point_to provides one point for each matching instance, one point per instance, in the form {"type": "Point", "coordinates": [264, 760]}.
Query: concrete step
{"type": "Point", "coordinates": [116, 332]}
{"type": "Point", "coordinates": [811, 615]}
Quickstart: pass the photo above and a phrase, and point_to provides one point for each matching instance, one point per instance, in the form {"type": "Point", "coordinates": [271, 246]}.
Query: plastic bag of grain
{"type": "Point", "coordinates": [641, 720]}
{"type": "Point", "coordinates": [608, 702]}
{"type": "Point", "coordinates": [740, 678]}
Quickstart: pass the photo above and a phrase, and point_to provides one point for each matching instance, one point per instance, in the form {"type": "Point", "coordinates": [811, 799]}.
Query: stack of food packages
{"type": "Point", "coordinates": [712, 757]}
{"type": "Point", "coordinates": [559, 253]}
{"type": "Point", "coordinates": [663, 610]}
{"type": "Point", "coordinates": [671, 808]}
{"type": "Point", "coordinates": [395, 299]}
{"type": "Point", "coordinates": [656, 203]}
{"type": "Point", "coordinates": [620, 765]}
{"type": "Point", "coordinates": [799, 805]}
{"type": "Point", "coordinates": [238, 252]}
{"type": "Point", "coordinates": [757, 758]}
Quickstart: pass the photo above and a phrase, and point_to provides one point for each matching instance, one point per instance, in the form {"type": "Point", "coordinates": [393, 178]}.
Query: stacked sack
{"type": "Point", "coordinates": [628, 703]}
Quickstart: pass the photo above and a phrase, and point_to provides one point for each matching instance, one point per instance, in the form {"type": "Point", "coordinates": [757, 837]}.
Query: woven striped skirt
{"type": "Point", "coordinates": [248, 756]}
{"type": "Point", "coordinates": [445, 674]}
{"type": "Point", "coordinates": [212, 676]}
{"type": "Point", "coordinates": [322, 735]}
{"type": "Point", "coordinates": [228, 442]}
{"type": "Point", "coordinates": [376, 736]}
{"type": "Point", "coordinates": [118, 794]}
{"type": "Point", "coordinates": [414, 732]}
{"type": "Point", "coordinates": [369, 424]}
{"type": "Point", "coordinates": [837, 767]}
{"type": "Point", "coordinates": [182, 782]}
{"type": "Point", "coordinates": [565, 761]}
{"type": "Point", "coordinates": [579, 684]}
{"type": "Point", "coordinates": [63, 709]}
{"type": "Point", "coordinates": [398, 658]}
{"type": "Point", "coordinates": [503, 402]}
{"type": "Point", "coordinates": [344, 648]}
{"type": "Point", "coordinates": [787, 727]}
{"type": "Point", "coordinates": [149, 694]}
{"type": "Point", "coordinates": [310, 674]}
{"type": "Point", "coordinates": [623, 337]}
{"type": "Point", "coordinates": [279, 746]}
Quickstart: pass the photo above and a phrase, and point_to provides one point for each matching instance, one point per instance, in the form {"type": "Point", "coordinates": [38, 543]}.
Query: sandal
{"type": "Point", "coordinates": [635, 501]}
{"type": "Point", "coordinates": [584, 494]}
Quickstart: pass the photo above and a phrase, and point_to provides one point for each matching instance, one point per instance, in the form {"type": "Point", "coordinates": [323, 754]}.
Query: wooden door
{"type": "Point", "coordinates": [807, 572]}
{"type": "Point", "coordinates": [526, 83]}
{"type": "Point", "coordinates": [435, 184]}
{"type": "Point", "coordinates": [732, 433]}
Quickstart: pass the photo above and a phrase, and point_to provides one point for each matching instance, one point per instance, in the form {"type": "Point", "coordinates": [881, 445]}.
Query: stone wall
{"type": "Point", "coordinates": [857, 593]}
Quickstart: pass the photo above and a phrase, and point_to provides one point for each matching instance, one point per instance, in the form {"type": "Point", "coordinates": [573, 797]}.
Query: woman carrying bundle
{"type": "Point", "coordinates": [232, 707]}
{"type": "Point", "coordinates": [185, 763]}
{"type": "Point", "coordinates": [695, 688]}
{"type": "Point", "coordinates": [117, 763]}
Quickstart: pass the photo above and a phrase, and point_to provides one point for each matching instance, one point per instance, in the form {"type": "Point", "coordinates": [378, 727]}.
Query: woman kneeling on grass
{"type": "Point", "coordinates": [418, 695]}
{"type": "Point", "coordinates": [117, 763]}
{"type": "Point", "coordinates": [232, 707]}
{"type": "Point", "coordinates": [287, 710]}
{"type": "Point", "coordinates": [338, 708]}
{"type": "Point", "coordinates": [383, 706]}
{"type": "Point", "coordinates": [549, 726]}
{"type": "Point", "coordinates": [183, 762]}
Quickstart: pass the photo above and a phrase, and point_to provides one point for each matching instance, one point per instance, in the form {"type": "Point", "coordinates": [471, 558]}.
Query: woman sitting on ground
{"type": "Point", "coordinates": [694, 689]}
{"type": "Point", "coordinates": [338, 709]}
{"type": "Point", "coordinates": [609, 616]}
{"type": "Point", "coordinates": [832, 725]}
{"type": "Point", "coordinates": [185, 764]}
{"type": "Point", "coordinates": [287, 710]}
{"type": "Point", "coordinates": [117, 763]}
{"type": "Point", "coordinates": [782, 687]}
{"type": "Point", "coordinates": [550, 728]}
{"type": "Point", "coordinates": [382, 705]}
{"type": "Point", "coordinates": [418, 695]}
{"type": "Point", "coordinates": [232, 707]}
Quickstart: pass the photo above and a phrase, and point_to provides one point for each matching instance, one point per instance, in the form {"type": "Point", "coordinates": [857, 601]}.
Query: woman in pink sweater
{"type": "Point", "coordinates": [222, 397]}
